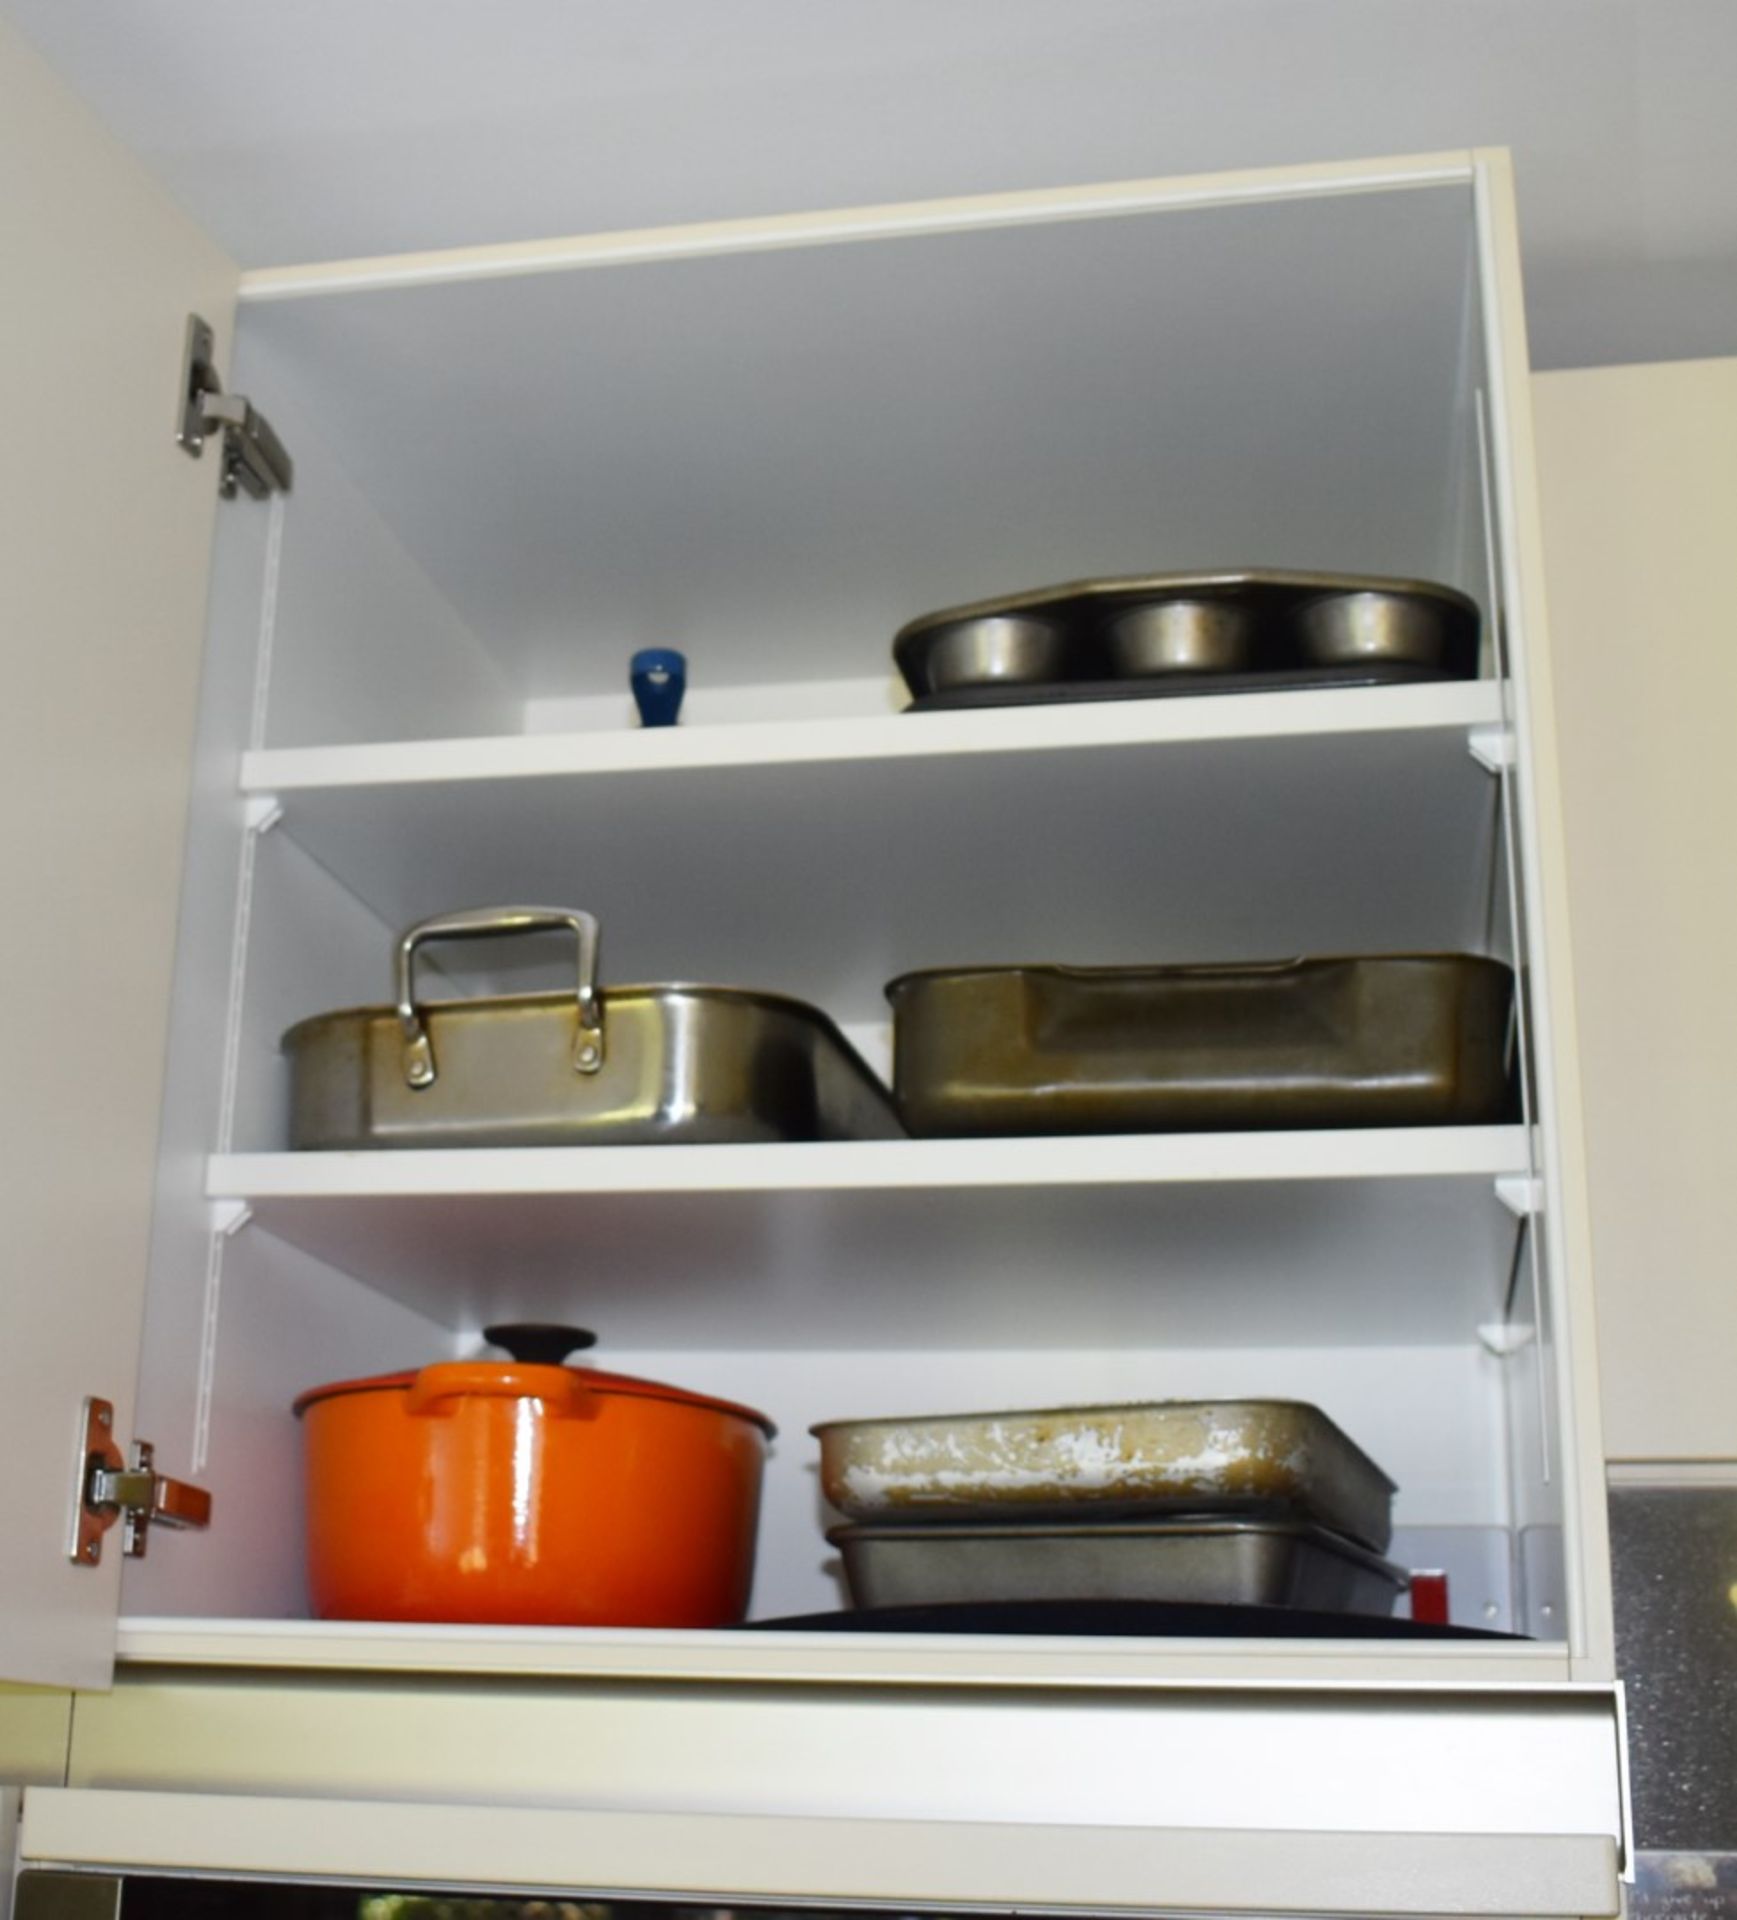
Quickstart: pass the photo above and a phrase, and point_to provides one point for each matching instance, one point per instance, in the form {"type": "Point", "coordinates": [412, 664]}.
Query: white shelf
{"type": "Point", "coordinates": [822, 858]}
{"type": "Point", "coordinates": [828, 1659]}
{"type": "Point", "coordinates": [1365, 1237]}
{"type": "Point", "coordinates": [283, 771]}
{"type": "Point", "coordinates": [1088, 1160]}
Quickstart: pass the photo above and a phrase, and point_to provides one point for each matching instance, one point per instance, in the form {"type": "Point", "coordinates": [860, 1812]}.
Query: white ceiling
{"type": "Point", "coordinates": [332, 127]}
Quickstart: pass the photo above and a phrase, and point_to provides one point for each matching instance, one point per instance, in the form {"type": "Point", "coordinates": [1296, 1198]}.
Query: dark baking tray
{"type": "Point", "coordinates": [1362, 1041]}
{"type": "Point", "coordinates": [1122, 1619]}
{"type": "Point", "coordinates": [1049, 693]}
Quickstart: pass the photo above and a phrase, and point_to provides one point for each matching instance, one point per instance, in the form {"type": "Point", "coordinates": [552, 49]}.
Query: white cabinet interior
{"type": "Point", "coordinates": [771, 444]}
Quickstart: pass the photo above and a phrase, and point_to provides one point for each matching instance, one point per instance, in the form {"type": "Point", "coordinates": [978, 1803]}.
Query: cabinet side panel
{"type": "Point", "coordinates": [1639, 466]}
{"type": "Point", "coordinates": [105, 532]}
{"type": "Point", "coordinates": [1565, 1238]}
{"type": "Point", "coordinates": [278, 1322]}
{"type": "Point", "coordinates": [366, 647]}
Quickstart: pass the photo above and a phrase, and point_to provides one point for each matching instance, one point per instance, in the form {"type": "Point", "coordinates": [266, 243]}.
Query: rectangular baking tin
{"type": "Point", "coordinates": [1137, 1461]}
{"type": "Point", "coordinates": [680, 1064]}
{"type": "Point", "coordinates": [1261, 1563]}
{"type": "Point", "coordinates": [1371, 1041]}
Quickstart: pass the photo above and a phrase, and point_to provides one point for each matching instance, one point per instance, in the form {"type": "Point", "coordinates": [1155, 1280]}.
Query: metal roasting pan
{"type": "Point", "coordinates": [1365, 1041]}
{"type": "Point", "coordinates": [1139, 1461]}
{"type": "Point", "coordinates": [1206, 1562]}
{"type": "Point", "coordinates": [1240, 629]}
{"type": "Point", "coordinates": [616, 1066]}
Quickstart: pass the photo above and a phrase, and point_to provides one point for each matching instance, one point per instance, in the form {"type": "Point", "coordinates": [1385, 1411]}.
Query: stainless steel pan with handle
{"type": "Point", "coordinates": [607, 1066]}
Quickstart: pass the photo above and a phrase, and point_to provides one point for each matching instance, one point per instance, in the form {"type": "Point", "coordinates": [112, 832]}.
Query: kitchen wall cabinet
{"type": "Point", "coordinates": [419, 662]}
{"type": "Point", "coordinates": [769, 441]}
{"type": "Point", "coordinates": [1639, 482]}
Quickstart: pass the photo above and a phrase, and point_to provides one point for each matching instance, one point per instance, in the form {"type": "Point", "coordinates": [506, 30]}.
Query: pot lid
{"type": "Point", "coordinates": [538, 1344]}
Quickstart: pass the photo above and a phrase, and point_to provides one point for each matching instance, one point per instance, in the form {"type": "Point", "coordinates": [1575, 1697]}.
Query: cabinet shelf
{"type": "Point", "coordinates": [814, 739]}
{"type": "Point", "coordinates": [617, 1653]}
{"type": "Point", "coordinates": [1085, 1160]}
{"type": "Point", "coordinates": [1363, 1237]}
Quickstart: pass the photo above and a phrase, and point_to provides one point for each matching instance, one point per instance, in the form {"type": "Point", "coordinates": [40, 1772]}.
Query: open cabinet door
{"type": "Point", "coordinates": [105, 534]}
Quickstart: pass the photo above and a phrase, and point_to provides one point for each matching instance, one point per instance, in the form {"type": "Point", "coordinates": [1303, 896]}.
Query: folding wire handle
{"type": "Point", "coordinates": [484, 923]}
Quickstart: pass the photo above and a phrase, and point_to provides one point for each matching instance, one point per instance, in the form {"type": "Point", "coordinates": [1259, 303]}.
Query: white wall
{"type": "Point", "coordinates": [1638, 471]}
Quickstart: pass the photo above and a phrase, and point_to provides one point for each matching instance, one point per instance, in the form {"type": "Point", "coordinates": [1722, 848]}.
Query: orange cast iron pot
{"type": "Point", "coordinates": [527, 1493]}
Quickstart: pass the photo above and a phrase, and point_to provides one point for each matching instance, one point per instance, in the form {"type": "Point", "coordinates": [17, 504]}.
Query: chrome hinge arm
{"type": "Point", "coordinates": [255, 460]}
{"type": "Point", "coordinates": [110, 1488]}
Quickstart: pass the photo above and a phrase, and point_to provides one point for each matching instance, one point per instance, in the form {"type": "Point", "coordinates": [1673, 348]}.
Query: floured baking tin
{"type": "Point", "coordinates": [1141, 1460]}
{"type": "Point", "coordinates": [1140, 635]}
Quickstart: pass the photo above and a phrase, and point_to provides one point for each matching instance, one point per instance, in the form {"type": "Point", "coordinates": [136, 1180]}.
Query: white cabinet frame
{"type": "Point", "coordinates": [903, 1864]}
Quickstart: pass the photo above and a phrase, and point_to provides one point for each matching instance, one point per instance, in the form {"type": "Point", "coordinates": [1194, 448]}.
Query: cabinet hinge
{"type": "Point", "coordinates": [255, 460]}
{"type": "Point", "coordinates": [108, 1488]}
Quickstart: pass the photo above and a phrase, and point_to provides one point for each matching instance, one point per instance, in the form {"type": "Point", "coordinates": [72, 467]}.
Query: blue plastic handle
{"type": "Point", "coordinates": [660, 678]}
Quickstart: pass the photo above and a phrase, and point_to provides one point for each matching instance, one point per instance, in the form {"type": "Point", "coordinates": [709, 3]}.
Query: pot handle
{"type": "Point", "coordinates": [540, 1341]}
{"type": "Point", "coordinates": [437, 1390]}
{"type": "Point", "coordinates": [479, 923]}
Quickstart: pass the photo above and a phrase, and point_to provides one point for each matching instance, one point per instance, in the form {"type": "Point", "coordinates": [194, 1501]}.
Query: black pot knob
{"type": "Point", "coordinates": [537, 1343]}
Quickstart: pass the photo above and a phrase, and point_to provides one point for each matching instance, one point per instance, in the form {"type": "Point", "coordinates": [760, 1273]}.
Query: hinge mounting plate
{"type": "Point", "coordinates": [255, 460]}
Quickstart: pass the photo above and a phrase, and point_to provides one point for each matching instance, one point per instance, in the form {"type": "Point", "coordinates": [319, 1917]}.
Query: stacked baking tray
{"type": "Point", "coordinates": [1227, 1502]}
